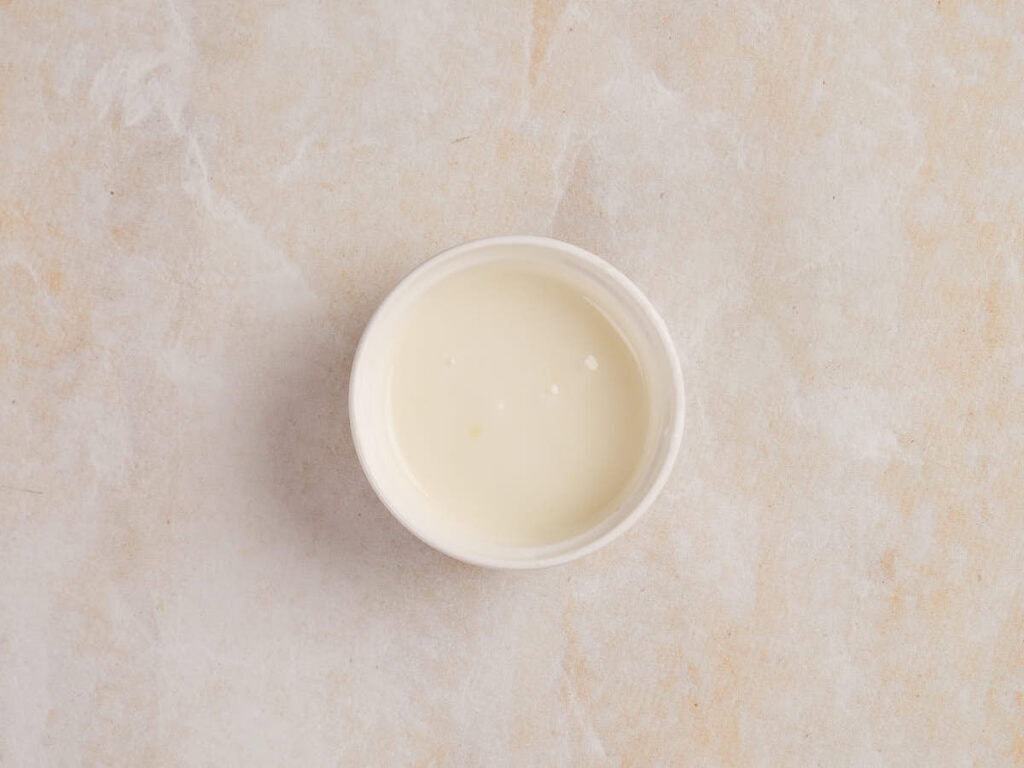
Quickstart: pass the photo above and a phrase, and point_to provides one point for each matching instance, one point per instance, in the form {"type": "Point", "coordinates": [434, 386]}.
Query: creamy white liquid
{"type": "Point", "coordinates": [519, 410]}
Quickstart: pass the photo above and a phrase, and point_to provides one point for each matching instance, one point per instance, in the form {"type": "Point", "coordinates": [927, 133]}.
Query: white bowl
{"type": "Point", "coordinates": [617, 297]}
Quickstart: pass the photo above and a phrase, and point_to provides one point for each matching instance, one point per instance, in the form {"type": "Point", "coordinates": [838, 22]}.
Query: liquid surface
{"type": "Point", "coordinates": [518, 408]}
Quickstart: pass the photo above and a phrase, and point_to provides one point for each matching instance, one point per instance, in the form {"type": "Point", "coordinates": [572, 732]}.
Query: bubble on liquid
{"type": "Point", "coordinates": [591, 362]}
{"type": "Point", "coordinates": [500, 405]}
{"type": "Point", "coordinates": [554, 389]}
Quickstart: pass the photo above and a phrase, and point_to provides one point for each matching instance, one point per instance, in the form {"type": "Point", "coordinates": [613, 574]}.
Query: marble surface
{"type": "Point", "coordinates": [201, 204]}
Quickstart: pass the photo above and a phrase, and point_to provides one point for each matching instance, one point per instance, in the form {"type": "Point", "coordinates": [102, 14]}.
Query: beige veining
{"type": "Point", "coordinates": [200, 206]}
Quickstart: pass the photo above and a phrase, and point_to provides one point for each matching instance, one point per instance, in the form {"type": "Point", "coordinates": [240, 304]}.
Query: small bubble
{"type": "Point", "coordinates": [449, 361]}
{"type": "Point", "coordinates": [500, 405]}
{"type": "Point", "coordinates": [553, 389]}
{"type": "Point", "coordinates": [591, 362]}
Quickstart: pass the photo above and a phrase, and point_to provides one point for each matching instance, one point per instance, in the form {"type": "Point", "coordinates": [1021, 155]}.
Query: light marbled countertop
{"type": "Point", "coordinates": [200, 205]}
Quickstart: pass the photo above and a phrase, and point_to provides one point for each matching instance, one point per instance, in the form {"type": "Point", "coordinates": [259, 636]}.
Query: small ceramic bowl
{"type": "Point", "coordinates": [617, 298]}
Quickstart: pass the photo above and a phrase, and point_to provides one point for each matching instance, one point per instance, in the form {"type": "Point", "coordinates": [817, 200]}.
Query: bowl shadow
{"type": "Point", "coordinates": [311, 468]}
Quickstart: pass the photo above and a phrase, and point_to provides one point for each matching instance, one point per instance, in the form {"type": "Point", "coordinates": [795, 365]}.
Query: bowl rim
{"type": "Point", "coordinates": [666, 347]}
